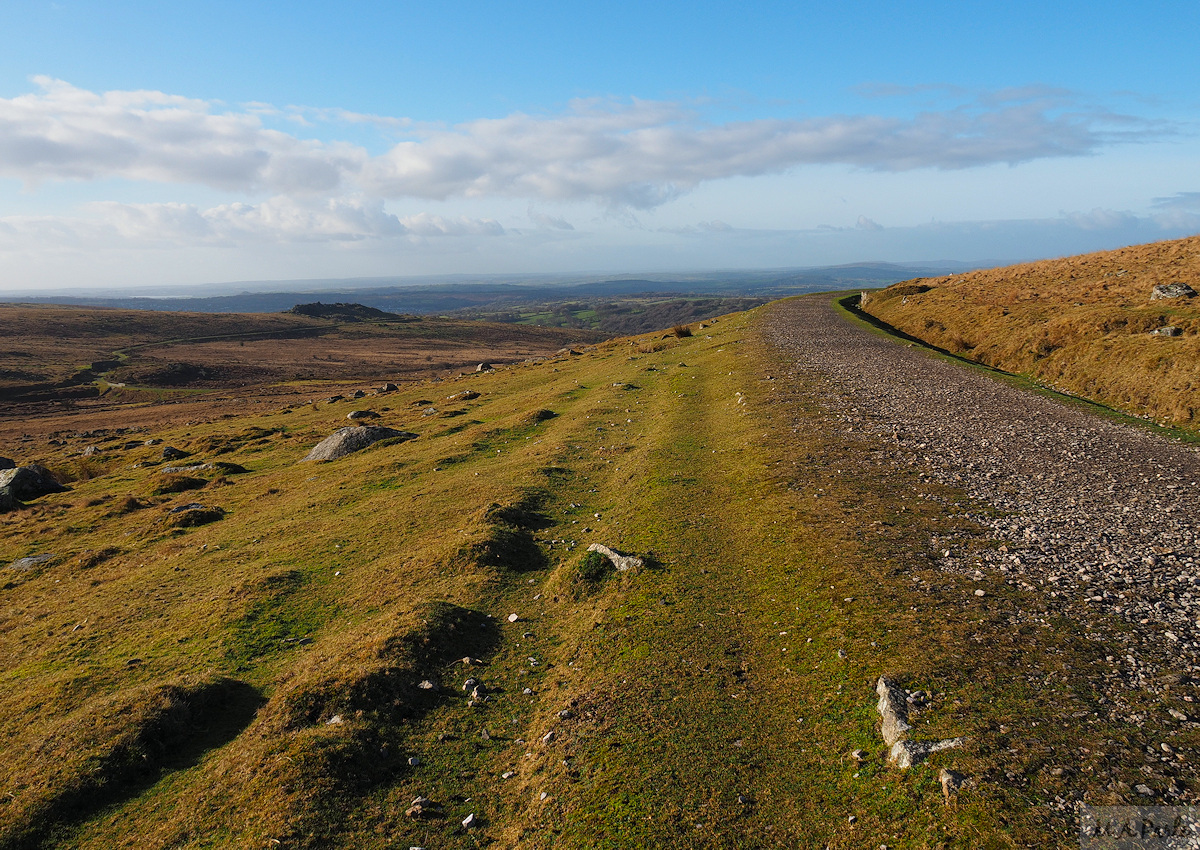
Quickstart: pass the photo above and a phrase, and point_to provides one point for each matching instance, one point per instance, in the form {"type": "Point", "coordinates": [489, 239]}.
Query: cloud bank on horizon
{"type": "Point", "coordinates": [146, 185]}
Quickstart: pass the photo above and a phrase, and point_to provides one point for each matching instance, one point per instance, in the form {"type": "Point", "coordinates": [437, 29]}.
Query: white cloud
{"type": "Point", "coordinates": [865, 223]}
{"type": "Point", "coordinates": [424, 224]}
{"type": "Point", "coordinates": [1179, 201]}
{"type": "Point", "coordinates": [642, 154]}
{"type": "Point", "coordinates": [279, 220]}
{"type": "Point", "coordinates": [549, 222]}
{"type": "Point", "coordinates": [621, 154]}
{"type": "Point", "coordinates": [65, 133]}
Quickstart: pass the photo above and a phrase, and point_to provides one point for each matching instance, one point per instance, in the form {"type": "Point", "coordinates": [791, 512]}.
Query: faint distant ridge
{"type": "Point", "coordinates": [489, 293]}
{"type": "Point", "coordinates": [343, 312]}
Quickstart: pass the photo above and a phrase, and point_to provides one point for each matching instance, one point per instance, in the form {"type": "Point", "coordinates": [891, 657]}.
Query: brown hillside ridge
{"type": "Point", "coordinates": [1087, 325]}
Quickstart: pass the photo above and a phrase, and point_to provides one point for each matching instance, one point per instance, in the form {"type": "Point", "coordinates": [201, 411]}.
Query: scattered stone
{"type": "Point", "coordinates": [153, 441]}
{"type": "Point", "coordinates": [893, 709]}
{"type": "Point", "coordinates": [622, 563]}
{"type": "Point", "coordinates": [346, 441]}
{"type": "Point", "coordinates": [1144, 790]}
{"type": "Point", "coordinates": [23, 483]}
{"type": "Point", "coordinates": [859, 756]}
{"type": "Point", "coordinates": [423, 807]}
{"type": "Point", "coordinates": [355, 415]}
{"type": "Point", "coordinates": [470, 821]}
{"type": "Point", "coordinates": [1171, 290]}
{"type": "Point", "coordinates": [512, 618]}
{"type": "Point", "coordinates": [413, 761]}
{"type": "Point", "coordinates": [508, 774]}
{"type": "Point", "coordinates": [172, 453]}
{"type": "Point", "coordinates": [358, 394]}
{"type": "Point", "coordinates": [548, 738]}
{"type": "Point", "coordinates": [528, 692]}
{"type": "Point", "coordinates": [465, 395]}
{"type": "Point", "coordinates": [388, 388]}
{"type": "Point", "coordinates": [333, 399]}
{"type": "Point", "coordinates": [484, 367]}
{"type": "Point", "coordinates": [179, 470]}
{"type": "Point", "coordinates": [28, 563]}
{"type": "Point", "coordinates": [951, 781]}
{"type": "Point", "coordinates": [336, 720]}
{"type": "Point", "coordinates": [905, 754]}
{"type": "Point", "coordinates": [470, 683]}
{"type": "Point", "coordinates": [1178, 715]}
{"type": "Point", "coordinates": [90, 451]}
{"type": "Point", "coordinates": [1168, 330]}
{"type": "Point", "coordinates": [426, 685]}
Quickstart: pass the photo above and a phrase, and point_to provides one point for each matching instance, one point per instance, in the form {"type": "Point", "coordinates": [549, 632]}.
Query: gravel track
{"type": "Point", "coordinates": [1096, 514]}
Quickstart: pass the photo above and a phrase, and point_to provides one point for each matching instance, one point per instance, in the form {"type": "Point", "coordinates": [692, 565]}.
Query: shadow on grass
{"type": "Point", "coordinates": [171, 728]}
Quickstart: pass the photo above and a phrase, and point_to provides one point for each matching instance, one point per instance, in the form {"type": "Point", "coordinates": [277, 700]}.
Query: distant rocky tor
{"type": "Point", "coordinates": [352, 439]}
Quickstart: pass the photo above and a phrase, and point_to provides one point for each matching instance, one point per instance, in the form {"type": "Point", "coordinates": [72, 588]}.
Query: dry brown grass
{"type": "Point", "coordinates": [1079, 324]}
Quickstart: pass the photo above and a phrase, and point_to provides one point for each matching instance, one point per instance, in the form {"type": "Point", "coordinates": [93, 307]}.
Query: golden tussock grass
{"type": "Point", "coordinates": [1081, 325]}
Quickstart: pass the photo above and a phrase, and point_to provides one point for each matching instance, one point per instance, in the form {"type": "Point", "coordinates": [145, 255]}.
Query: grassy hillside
{"type": "Point", "coordinates": [1080, 324]}
{"type": "Point", "coordinates": [291, 669]}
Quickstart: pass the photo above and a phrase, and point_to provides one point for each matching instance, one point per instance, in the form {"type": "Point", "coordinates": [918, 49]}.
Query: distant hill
{"type": "Point", "coordinates": [1089, 325]}
{"type": "Point", "coordinates": [342, 312]}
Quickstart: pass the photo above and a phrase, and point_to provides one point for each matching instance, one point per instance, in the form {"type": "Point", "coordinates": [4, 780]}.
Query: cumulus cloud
{"type": "Point", "coordinates": [65, 133]}
{"type": "Point", "coordinates": [865, 223]}
{"type": "Point", "coordinates": [630, 154]}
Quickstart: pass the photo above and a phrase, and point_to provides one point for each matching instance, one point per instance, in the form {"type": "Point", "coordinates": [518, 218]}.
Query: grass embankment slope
{"type": "Point", "coordinates": [256, 681]}
{"type": "Point", "coordinates": [1081, 325]}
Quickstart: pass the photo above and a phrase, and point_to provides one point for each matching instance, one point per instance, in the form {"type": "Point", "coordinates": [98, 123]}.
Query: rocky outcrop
{"type": "Point", "coordinates": [1171, 290]}
{"type": "Point", "coordinates": [23, 483]}
{"type": "Point", "coordinates": [355, 415]}
{"type": "Point", "coordinates": [349, 440]}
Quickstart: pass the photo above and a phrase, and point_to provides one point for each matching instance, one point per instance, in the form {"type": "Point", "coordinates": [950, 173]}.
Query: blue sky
{"type": "Point", "coordinates": [152, 144]}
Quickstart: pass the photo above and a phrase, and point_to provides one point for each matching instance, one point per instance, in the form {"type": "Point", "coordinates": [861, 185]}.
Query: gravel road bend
{"type": "Point", "coordinates": [1094, 513]}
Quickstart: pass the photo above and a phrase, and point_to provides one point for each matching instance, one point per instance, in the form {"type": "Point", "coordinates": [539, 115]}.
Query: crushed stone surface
{"type": "Point", "coordinates": [1096, 514]}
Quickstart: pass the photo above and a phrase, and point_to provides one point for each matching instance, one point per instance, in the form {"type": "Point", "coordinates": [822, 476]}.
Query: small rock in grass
{"type": "Point", "coordinates": [548, 738]}
{"type": "Point", "coordinates": [470, 821]}
{"type": "Point", "coordinates": [512, 618]}
{"type": "Point", "coordinates": [426, 685]}
{"type": "Point", "coordinates": [1144, 790]}
{"type": "Point", "coordinates": [413, 761]}
{"type": "Point", "coordinates": [951, 781]}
